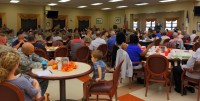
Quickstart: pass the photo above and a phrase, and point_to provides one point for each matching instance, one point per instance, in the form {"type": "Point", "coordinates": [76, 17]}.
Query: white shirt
{"type": "Point", "coordinates": [192, 37]}
{"type": "Point", "coordinates": [95, 43]}
{"type": "Point", "coordinates": [56, 38]}
{"type": "Point", "coordinates": [190, 64]}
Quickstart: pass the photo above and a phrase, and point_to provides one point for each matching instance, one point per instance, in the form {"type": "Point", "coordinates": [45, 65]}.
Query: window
{"type": "Point", "coordinates": [150, 24]}
{"type": "Point", "coordinates": [135, 25]}
{"type": "Point", "coordinates": [170, 25]}
{"type": "Point", "coordinates": [27, 24]}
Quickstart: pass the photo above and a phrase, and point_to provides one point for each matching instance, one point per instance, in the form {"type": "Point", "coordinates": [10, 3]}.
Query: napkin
{"type": "Point", "coordinates": [44, 73]}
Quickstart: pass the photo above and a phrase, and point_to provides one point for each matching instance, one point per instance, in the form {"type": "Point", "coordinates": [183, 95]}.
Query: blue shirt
{"type": "Point", "coordinates": [158, 35]}
{"type": "Point", "coordinates": [16, 42]}
{"type": "Point", "coordinates": [134, 52]}
{"type": "Point", "coordinates": [111, 41]}
{"type": "Point", "coordinates": [99, 64]}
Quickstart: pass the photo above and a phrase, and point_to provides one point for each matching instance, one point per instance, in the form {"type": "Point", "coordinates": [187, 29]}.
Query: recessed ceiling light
{"type": "Point", "coordinates": [142, 4]}
{"type": "Point", "coordinates": [64, 0]}
{"type": "Point", "coordinates": [114, 0]}
{"type": "Point", "coordinates": [167, 0]}
{"type": "Point", "coordinates": [81, 6]}
{"type": "Point", "coordinates": [121, 6]}
{"type": "Point", "coordinates": [52, 4]}
{"type": "Point", "coordinates": [14, 1]}
{"type": "Point", "coordinates": [95, 4]}
{"type": "Point", "coordinates": [105, 8]}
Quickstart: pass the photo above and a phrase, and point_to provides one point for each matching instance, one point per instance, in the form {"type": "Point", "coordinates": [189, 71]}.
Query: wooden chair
{"type": "Point", "coordinates": [82, 54]}
{"type": "Point", "coordinates": [196, 46]}
{"type": "Point", "coordinates": [40, 52]}
{"type": "Point", "coordinates": [106, 87]}
{"type": "Point", "coordinates": [196, 39]}
{"type": "Point", "coordinates": [157, 67]}
{"type": "Point", "coordinates": [10, 92]}
{"type": "Point", "coordinates": [61, 52]}
{"type": "Point", "coordinates": [157, 42]}
{"type": "Point", "coordinates": [185, 78]}
{"type": "Point", "coordinates": [57, 43]}
{"type": "Point", "coordinates": [41, 42]}
{"type": "Point", "coordinates": [104, 49]}
{"type": "Point", "coordinates": [166, 40]}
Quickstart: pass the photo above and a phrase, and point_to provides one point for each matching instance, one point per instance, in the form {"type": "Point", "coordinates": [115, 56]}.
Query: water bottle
{"type": "Point", "coordinates": [59, 65]}
{"type": "Point", "coordinates": [44, 65]}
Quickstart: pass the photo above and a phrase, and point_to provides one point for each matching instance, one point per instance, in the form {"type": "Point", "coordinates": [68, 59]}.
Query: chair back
{"type": "Point", "coordinates": [196, 46]}
{"type": "Point", "coordinates": [116, 74]}
{"type": "Point", "coordinates": [165, 41]}
{"type": "Point", "coordinates": [196, 38]}
{"type": "Point", "coordinates": [10, 92]}
{"type": "Point", "coordinates": [157, 65]}
{"type": "Point", "coordinates": [62, 51]}
{"type": "Point", "coordinates": [40, 52]}
{"type": "Point", "coordinates": [57, 43]}
{"type": "Point", "coordinates": [104, 49]}
{"type": "Point", "coordinates": [170, 45]}
{"type": "Point", "coordinates": [157, 42]}
{"type": "Point", "coordinates": [82, 54]}
{"type": "Point", "coordinates": [41, 42]}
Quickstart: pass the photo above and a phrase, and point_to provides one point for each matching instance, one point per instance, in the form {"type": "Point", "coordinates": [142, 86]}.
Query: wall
{"type": "Point", "coordinates": [73, 13]}
{"type": "Point", "coordinates": [160, 17]}
{"type": "Point", "coordinates": [11, 12]}
{"type": "Point", "coordinates": [112, 17]}
{"type": "Point", "coordinates": [170, 7]}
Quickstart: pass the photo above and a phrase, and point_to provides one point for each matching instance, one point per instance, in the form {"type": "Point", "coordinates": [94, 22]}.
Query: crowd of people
{"type": "Point", "coordinates": [18, 57]}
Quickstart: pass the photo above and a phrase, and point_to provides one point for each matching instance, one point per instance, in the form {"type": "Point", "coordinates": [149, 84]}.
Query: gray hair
{"type": "Point", "coordinates": [175, 35]}
{"type": "Point", "coordinates": [112, 33]}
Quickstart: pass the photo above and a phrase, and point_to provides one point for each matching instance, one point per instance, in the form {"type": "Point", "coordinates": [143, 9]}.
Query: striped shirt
{"type": "Point", "coordinates": [28, 90]}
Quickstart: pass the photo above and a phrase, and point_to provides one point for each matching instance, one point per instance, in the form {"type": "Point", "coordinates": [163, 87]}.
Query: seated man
{"type": "Point", "coordinates": [75, 44]}
{"type": "Point", "coordinates": [98, 41]}
{"type": "Point", "coordinates": [2, 39]}
{"type": "Point", "coordinates": [31, 60]}
{"type": "Point", "coordinates": [177, 71]}
{"type": "Point", "coordinates": [31, 39]}
{"type": "Point", "coordinates": [20, 40]}
{"type": "Point", "coordinates": [111, 41]}
{"type": "Point", "coordinates": [3, 47]}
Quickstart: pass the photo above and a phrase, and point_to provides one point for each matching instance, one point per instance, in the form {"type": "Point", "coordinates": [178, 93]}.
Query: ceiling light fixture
{"type": "Point", "coordinates": [81, 6]}
{"type": "Point", "coordinates": [167, 0]}
{"type": "Point", "coordinates": [114, 0]}
{"type": "Point", "coordinates": [121, 6]}
{"type": "Point", "coordinates": [64, 0]}
{"type": "Point", "coordinates": [52, 4]}
{"type": "Point", "coordinates": [142, 4]}
{"type": "Point", "coordinates": [105, 8]}
{"type": "Point", "coordinates": [14, 1]}
{"type": "Point", "coordinates": [95, 4]}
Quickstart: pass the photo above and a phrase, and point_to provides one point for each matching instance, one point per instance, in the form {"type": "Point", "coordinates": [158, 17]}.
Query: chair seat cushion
{"type": "Point", "coordinates": [101, 87]}
{"type": "Point", "coordinates": [191, 79]}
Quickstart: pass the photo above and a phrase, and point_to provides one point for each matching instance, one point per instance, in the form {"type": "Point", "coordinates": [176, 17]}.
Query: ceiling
{"type": "Point", "coordinates": [76, 3]}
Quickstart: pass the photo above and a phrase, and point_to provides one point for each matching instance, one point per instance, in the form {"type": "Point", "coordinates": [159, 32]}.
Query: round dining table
{"type": "Point", "coordinates": [82, 69]}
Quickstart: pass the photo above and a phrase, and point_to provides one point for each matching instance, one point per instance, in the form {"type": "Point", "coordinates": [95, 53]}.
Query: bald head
{"type": "Point", "coordinates": [27, 48]}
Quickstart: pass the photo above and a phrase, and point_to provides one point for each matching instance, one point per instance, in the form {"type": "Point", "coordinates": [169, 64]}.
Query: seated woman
{"type": "Point", "coordinates": [9, 63]}
{"type": "Point", "coordinates": [134, 51]}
